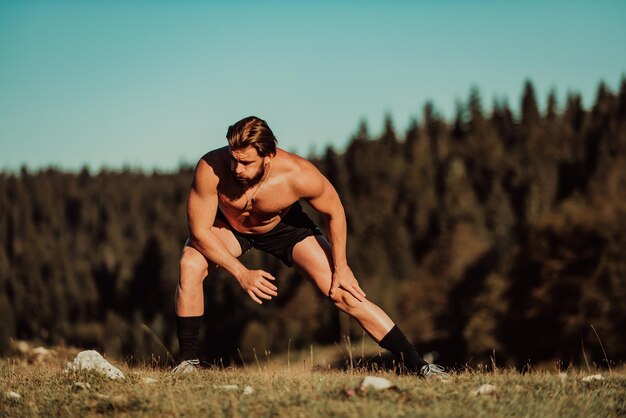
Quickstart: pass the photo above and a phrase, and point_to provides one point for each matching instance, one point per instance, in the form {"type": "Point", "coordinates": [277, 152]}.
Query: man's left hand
{"type": "Point", "coordinates": [344, 278]}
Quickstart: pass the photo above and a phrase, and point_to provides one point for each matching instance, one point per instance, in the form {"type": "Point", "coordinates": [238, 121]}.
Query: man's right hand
{"type": "Point", "coordinates": [257, 285]}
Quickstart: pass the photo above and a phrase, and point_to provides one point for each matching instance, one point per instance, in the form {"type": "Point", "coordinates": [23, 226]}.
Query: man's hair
{"type": "Point", "coordinates": [252, 131]}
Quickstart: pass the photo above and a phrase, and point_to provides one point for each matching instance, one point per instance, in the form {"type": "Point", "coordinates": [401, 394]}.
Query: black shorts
{"type": "Point", "coordinates": [279, 241]}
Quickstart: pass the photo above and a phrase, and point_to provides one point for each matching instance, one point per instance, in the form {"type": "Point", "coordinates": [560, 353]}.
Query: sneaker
{"type": "Point", "coordinates": [433, 370]}
{"type": "Point", "coordinates": [187, 366]}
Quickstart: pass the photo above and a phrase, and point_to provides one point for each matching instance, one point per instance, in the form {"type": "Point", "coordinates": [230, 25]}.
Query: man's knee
{"type": "Point", "coordinates": [345, 301]}
{"type": "Point", "coordinates": [193, 268]}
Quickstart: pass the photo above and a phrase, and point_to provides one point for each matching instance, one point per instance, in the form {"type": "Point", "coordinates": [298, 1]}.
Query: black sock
{"type": "Point", "coordinates": [396, 342]}
{"type": "Point", "coordinates": [188, 328]}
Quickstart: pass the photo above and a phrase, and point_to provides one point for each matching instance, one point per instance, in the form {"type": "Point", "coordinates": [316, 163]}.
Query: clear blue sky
{"type": "Point", "coordinates": [151, 84]}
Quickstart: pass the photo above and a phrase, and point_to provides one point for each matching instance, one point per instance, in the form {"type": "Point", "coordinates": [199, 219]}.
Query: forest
{"type": "Point", "coordinates": [491, 232]}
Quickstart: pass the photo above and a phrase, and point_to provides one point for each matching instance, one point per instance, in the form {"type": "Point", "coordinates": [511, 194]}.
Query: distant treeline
{"type": "Point", "coordinates": [491, 232]}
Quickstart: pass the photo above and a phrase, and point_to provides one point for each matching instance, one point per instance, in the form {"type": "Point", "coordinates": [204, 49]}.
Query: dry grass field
{"type": "Point", "coordinates": [279, 389]}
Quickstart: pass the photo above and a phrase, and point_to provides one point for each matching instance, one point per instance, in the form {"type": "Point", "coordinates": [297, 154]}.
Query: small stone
{"type": "Point", "coordinates": [92, 360]}
{"type": "Point", "coordinates": [13, 395]}
{"type": "Point", "coordinates": [148, 380]}
{"type": "Point", "coordinates": [248, 390]}
{"type": "Point", "coordinates": [484, 390]}
{"type": "Point", "coordinates": [350, 392]}
{"type": "Point", "coordinates": [374, 382]}
{"type": "Point", "coordinates": [592, 377]}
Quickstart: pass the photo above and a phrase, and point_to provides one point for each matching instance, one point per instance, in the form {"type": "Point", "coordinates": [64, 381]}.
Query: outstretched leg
{"type": "Point", "coordinates": [313, 258]}
{"type": "Point", "coordinates": [194, 267]}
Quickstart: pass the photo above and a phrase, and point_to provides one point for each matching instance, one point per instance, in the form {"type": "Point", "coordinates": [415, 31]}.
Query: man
{"type": "Point", "coordinates": [247, 195]}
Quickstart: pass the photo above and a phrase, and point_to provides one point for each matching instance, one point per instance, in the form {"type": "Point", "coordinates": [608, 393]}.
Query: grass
{"type": "Point", "coordinates": [298, 391]}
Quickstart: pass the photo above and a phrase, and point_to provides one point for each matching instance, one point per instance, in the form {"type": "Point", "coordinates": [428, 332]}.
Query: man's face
{"type": "Point", "coordinates": [247, 165]}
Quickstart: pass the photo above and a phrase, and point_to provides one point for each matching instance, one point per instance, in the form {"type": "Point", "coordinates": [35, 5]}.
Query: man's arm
{"type": "Point", "coordinates": [202, 204]}
{"type": "Point", "coordinates": [323, 197]}
{"type": "Point", "coordinates": [201, 211]}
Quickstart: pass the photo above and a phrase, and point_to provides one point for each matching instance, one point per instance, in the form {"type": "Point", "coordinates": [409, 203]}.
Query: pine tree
{"type": "Point", "coordinates": [551, 108]}
{"type": "Point", "coordinates": [530, 110]}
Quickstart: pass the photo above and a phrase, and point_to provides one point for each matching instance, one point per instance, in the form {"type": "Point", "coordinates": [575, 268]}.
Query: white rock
{"type": "Point", "coordinates": [13, 395]}
{"type": "Point", "coordinates": [484, 390]}
{"type": "Point", "coordinates": [592, 377]}
{"type": "Point", "coordinates": [149, 380]}
{"type": "Point", "coordinates": [375, 382]}
{"type": "Point", "coordinates": [92, 360]}
{"type": "Point", "coordinates": [248, 390]}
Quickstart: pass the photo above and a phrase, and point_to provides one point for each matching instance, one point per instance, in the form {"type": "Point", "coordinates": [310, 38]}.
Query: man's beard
{"type": "Point", "coordinates": [247, 183]}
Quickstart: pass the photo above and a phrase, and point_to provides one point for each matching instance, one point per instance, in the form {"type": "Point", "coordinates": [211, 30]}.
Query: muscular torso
{"type": "Point", "coordinates": [272, 201]}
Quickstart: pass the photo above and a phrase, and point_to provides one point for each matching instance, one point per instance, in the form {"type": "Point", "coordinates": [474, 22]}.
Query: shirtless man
{"type": "Point", "coordinates": [247, 195]}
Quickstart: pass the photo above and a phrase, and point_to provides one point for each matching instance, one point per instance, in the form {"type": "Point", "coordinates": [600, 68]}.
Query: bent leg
{"type": "Point", "coordinates": [313, 258]}
{"type": "Point", "coordinates": [194, 267]}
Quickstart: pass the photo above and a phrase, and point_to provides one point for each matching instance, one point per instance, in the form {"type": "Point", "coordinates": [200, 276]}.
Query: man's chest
{"type": "Point", "coordinates": [269, 199]}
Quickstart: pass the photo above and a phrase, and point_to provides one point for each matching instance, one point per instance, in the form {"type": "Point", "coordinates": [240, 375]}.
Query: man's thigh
{"type": "Point", "coordinates": [313, 257]}
{"type": "Point", "coordinates": [224, 234]}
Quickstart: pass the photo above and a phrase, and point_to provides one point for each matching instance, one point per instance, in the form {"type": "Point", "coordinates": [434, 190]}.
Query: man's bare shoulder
{"type": "Point", "coordinates": [292, 163]}
{"type": "Point", "coordinates": [301, 174]}
{"type": "Point", "coordinates": [216, 156]}
{"type": "Point", "coordinates": [213, 161]}
{"type": "Point", "coordinates": [211, 167]}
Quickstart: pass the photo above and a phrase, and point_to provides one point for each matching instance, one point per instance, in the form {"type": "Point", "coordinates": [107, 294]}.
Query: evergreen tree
{"type": "Point", "coordinates": [551, 107]}
{"type": "Point", "coordinates": [530, 110]}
